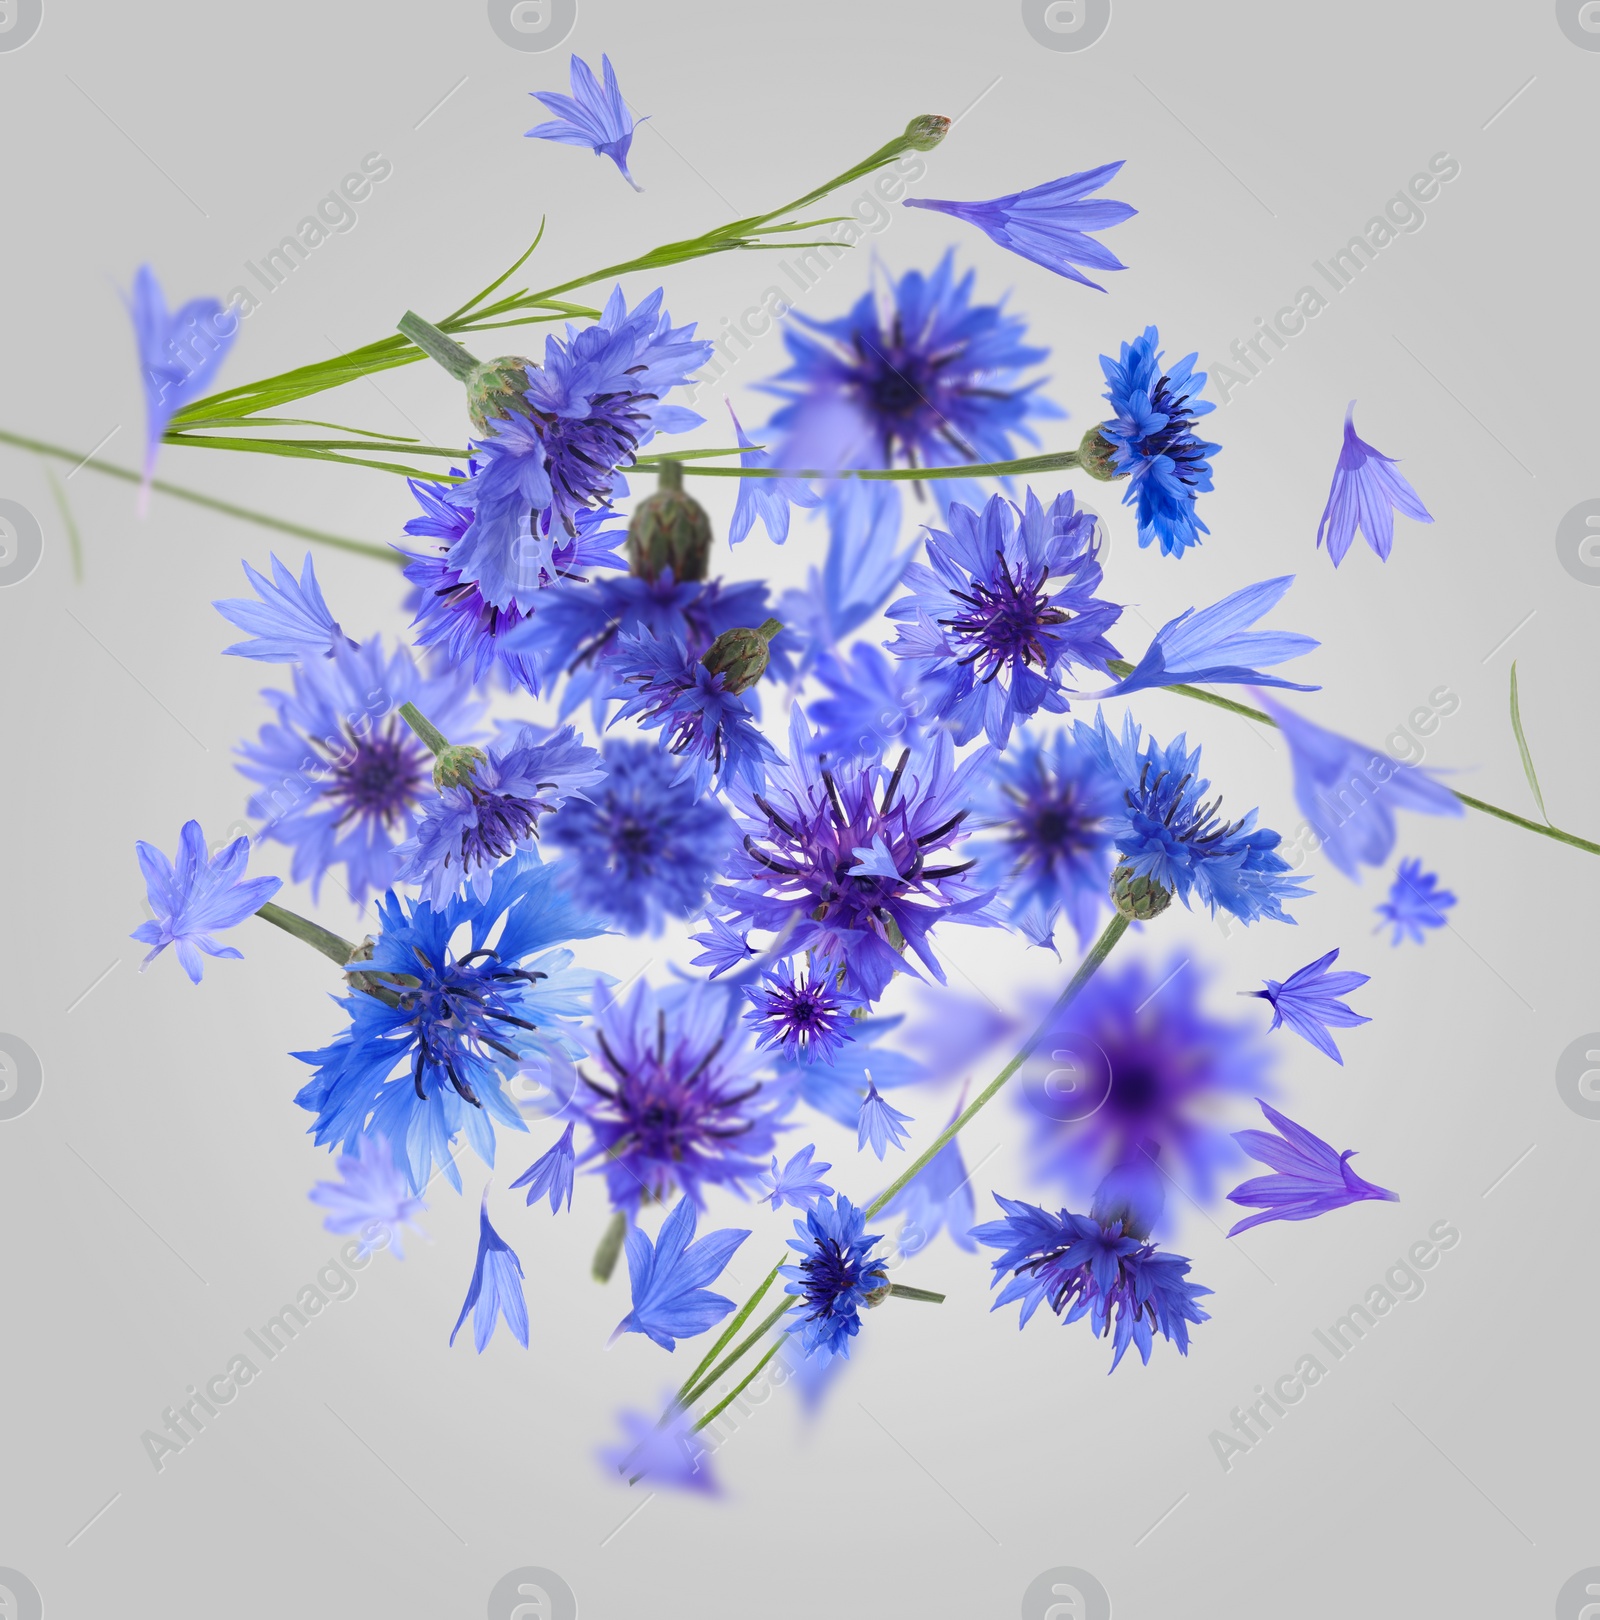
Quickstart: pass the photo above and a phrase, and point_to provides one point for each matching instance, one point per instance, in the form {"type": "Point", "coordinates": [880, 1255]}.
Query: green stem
{"type": "Point", "coordinates": [605, 1257]}
{"type": "Point", "coordinates": [340, 542]}
{"type": "Point", "coordinates": [1120, 667]}
{"type": "Point", "coordinates": [1098, 952]}
{"type": "Point", "coordinates": [739, 1388]}
{"type": "Point", "coordinates": [1054, 461]}
{"type": "Point", "coordinates": [769, 628]}
{"type": "Point", "coordinates": [425, 729]}
{"type": "Point", "coordinates": [753, 1337]}
{"type": "Point", "coordinates": [903, 1291]}
{"type": "Point", "coordinates": [726, 1334]}
{"type": "Point", "coordinates": [314, 934]}
{"type": "Point", "coordinates": [433, 343]}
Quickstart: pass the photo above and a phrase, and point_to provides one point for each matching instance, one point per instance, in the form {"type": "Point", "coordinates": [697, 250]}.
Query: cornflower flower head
{"type": "Point", "coordinates": [1417, 902]}
{"type": "Point", "coordinates": [805, 1016]}
{"type": "Point", "coordinates": [371, 1198]}
{"type": "Point", "coordinates": [836, 1276]}
{"type": "Point", "coordinates": [594, 115]}
{"type": "Point", "coordinates": [1308, 1002]}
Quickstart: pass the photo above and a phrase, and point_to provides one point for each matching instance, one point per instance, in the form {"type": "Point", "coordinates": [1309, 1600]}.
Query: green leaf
{"type": "Point", "coordinates": [1522, 748]}
{"type": "Point", "coordinates": [74, 540]}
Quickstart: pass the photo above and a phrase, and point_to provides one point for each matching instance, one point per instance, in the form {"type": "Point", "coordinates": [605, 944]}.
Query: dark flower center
{"type": "Point", "coordinates": [1183, 819]}
{"type": "Point", "coordinates": [381, 777]}
{"type": "Point", "coordinates": [907, 392]}
{"type": "Point", "coordinates": [827, 1273]}
{"type": "Point", "coordinates": [582, 454]}
{"type": "Point", "coordinates": [459, 1010]}
{"type": "Point", "coordinates": [503, 822]}
{"type": "Point", "coordinates": [1004, 621]}
{"type": "Point", "coordinates": [1174, 440]}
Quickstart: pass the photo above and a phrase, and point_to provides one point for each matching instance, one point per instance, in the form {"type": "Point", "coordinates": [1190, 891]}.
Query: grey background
{"type": "Point", "coordinates": [153, 1200]}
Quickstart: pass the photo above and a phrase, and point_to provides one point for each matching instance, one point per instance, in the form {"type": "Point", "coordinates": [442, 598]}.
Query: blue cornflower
{"type": "Point", "coordinates": [699, 717]}
{"type": "Point", "coordinates": [880, 1123]}
{"type": "Point", "coordinates": [1002, 609]}
{"type": "Point", "coordinates": [576, 633]}
{"type": "Point", "coordinates": [179, 353]}
{"type": "Point", "coordinates": [850, 863]}
{"type": "Point", "coordinates": [1214, 644]}
{"type": "Point", "coordinates": [806, 1017]}
{"type": "Point", "coordinates": [1102, 1268]}
{"type": "Point", "coordinates": [1044, 841]}
{"type": "Point", "coordinates": [644, 844]}
{"type": "Point", "coordinates": [679, 1104]}
{"type": "Point", "coordinates": [495, 1289]}
{"type": "Point", "coordinates": [1308, 1002]}
{"type": "Point", "coordinates": [670, 1299]}
{"type": "Point", "coordinates": [474, 824]}
{"type": "Point", "coordinates": [341, 778]}
{"type": "Point", "coordinates": [1349, 793]}
{"type": "Point", "coordinates": [725, 948]}
{"type": "Point", "coordinates": [938, 1198]}
{"type": "Point", "coordinates": [196, 896]}
{"type": "Point", "coordinates": [451, 615]}
{"type": "Point", "coordinates": [836, 1276]}
{"type": "Point", "coordinates": [766, 498]}
{"type": "Point", "coordinates": [551, 1173]}
{"type": "Point", "coordinates": [427, 1057]}
{"type": "Point", "coordinates": [1365, 495]}
{"type": "Point", "coordinates": [1049, 224]}
{"type": "Point", "coordinates": [1168, 834]}
{"type": "Point", "coordinates": [671, 1455]}
{"type": "Point", "coordinates": [1138, 1060]}
{"type": "Point", "coordinates": [1153, 443]}
{"type": "Point", "coordinates": [591, 116]}
{"type": "Point", "coordinates": [1308, 1178]}
{"type": "Point", "coordinates": [800, 1182]}
{"type": "Point", "coordinates": [290, 623]}
{"type": "Point", "coordinates": [593, 403]}
{"type": "Point", "coordinates": [927, 378]}
{"type": "Point", "coordinates": [372, 1198]}
{"type": "Point", "coordinates": [1416, 903]}
{"type": "Point", "coordinates": [872, 702]}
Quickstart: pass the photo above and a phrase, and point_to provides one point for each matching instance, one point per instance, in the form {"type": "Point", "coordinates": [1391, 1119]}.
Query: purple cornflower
{"type": "Point", "coordinates": [880, 1123]}
{"type": "Point", "coordinates": [837, 1275]}
{"type": "Point", "coordinates": [804, 1017]}
{"type": "Point", "coordinates": [871, 702]}
{"type": "Point", "coordinates": [799, 1184]}
{"type": "Point", "coordinates": [196, 897]}
{"type": "Point", "coordinates": [591, 116]}
{"type": "Point", "coordinates": [474, 824]}
{"type": "Point", "coordinates": [678, 1105]}
{"type": "Point", "coordinates": [1004, 606]}
{"type": "Point", "coordinates": [1049, 224]}
{"type": "Point", "coordinates": [1043, 838]}
{"type": "Point", "coordinates": [766, 498]}
{"type": "Point", "coordinates": [1349, 793]}
{"type": "Point", "coordinates": [700, 719]}
{"type": "Point", "coordinates": [371, 1197]}
{"type": "Point", "coordinates": [725, 948]}
{"type": "Point", "coordinates": [1308, 1002]}
{"type": "Point", "coordinates": [495, 1289]}
{"type": "Point", "coordinates": [551, 1173]}
{"type": "Point", "coordinates": [1169, 835]}
{"type": "Point", "coordinates": [1097, 1265]}
{"type": "Point", "coordinates": [179, 353]}
{"type": "Point", "coordinates": [1216, 645]}
{"type": "Point", "coordinates": [289, 624]}
{"type": "Point", "coordinates": [1417, 902]}
{"type": "Point", "coordinates": [1308, 1178]}
{"type": "Point", "coordinates": [1151, 434]}
{"type": "Point", "coordinates": [1366, 493]}
{"type": "Point", "coordinates": [851, 863]}
{"type": "Point", "coordinates": [670, 1299]}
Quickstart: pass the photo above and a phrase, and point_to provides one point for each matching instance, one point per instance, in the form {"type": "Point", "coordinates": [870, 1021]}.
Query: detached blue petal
{"type": "Point", "coordinates": [670, 1301]}
{"type": "Point", "coordinates": [496, 1288]}
{"type": "Point", "coordinates": [592, 116]}
{"type": "Point", "coordinates": [1308, 1178]}
{"type": "Point", "coordinates": [289, 624]}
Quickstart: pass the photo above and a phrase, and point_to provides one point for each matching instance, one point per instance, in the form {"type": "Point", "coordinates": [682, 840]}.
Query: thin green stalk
{"type": "Point", "coordinates": [74, 539]}
{"type": "Point", "coordinates": [905, 1291]}
{"type": "Point", "coordinates": [727, 1334]}
{"type": "Point", "coordinates": [1098, 952]}
{"type": "Point", "coordinates": [1120, 667]}
{"type": "Point", "coordinates": [340, 542]}
{"type": "Point", "coordinates": [1054, 461]}
{"type": "Point", "coordinates": [738, 1389]}
{"type": "Point", "coordinates": [754, 1336]}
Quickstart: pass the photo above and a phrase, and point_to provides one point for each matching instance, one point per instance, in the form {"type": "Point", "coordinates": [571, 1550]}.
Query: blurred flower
{"type": "Point", "coordinates": [198, 895]}
{"type": "Point", "coordinates": [496, 1288]}
{"type": "Point", "coordinates": [1417, 902]}
{"type": "Point", "coordinates": [879, 1123]}
{"type": "Point", "coordinates": [371, 1198]}
{"type": "Point", "coordinates": [1365, 495]}
{"type": "Point", "coordinates": [430, 1058]}
{"type": "Point", "coordinates": [766, 498]}
{"type": "Point", "coordinates": [552, 1173]}
{"type": "Point", "coordinates": [672, 1456]}
{"type": "Point", "coordinates": [806, 1017]}
{"type": "Point", "coordinates": [1151, 434]}
{"type": "Point", "coordinates": [670, 1299]}
{"type": "Point", "coordinates": [873, 702]}
{"type": "Point", "coordinates": [835, 1085]}
{"type": "Point", "coordinates": [800, 1182]}
{"type": "Point", "coordinates": [644, 844]}
{"type": "Point", "coordinates": [591, 116]}
{"type": "Point", "coordinates": [1004, 606]}
{"type": "Point", "coordinates": [1349, 793]}
{"type": "Point", "coordinates": [1049, 224]}
{"type": "Point", "coordinates": [1308, 1177]}
{"type": "Point", "coordinates": [289, 623]}
{"type": "Point", "coordinates": [836, 1276]}
{"type": "Point", "coordinates": [1308, 1002]}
